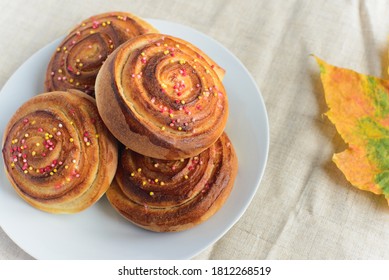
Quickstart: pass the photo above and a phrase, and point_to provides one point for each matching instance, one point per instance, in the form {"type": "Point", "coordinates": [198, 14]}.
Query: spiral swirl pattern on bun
{"type": "Point", "coordinates": [162, 97]}
{"type": "Point", "coordinates": [58, 154]}
{"type": "Point", "coordinates": [173, 195]}
{"type": "Point", "coordinates": [78, 58]}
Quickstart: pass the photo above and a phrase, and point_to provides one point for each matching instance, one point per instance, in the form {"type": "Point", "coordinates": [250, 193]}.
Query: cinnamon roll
{"type": "Point", "coordinates": [58, 154]}
{"type": "Point", "coordinates": [78, 58]}
{"type": "Point", "coordinates": [162, 97]}
{"type": "Point", "coordinates": [173, 195]}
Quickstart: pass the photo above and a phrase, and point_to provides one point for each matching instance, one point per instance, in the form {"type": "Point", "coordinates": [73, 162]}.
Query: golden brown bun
{"type": "Point", "coordinates": [161, 97]}
{"type": "Point", "coordinates": [58, 154]}
{"type": "Point", "coordinates": [162, 195]}
{"type": "Point", "coordinates": [80, 55]}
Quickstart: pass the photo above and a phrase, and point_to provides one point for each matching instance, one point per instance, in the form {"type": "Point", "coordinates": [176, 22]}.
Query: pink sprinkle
{"type": "Point", "coordinates": [90, 46]}
{"type": "Point", "coordinates": [60, 163]}
{"type": "Point", "coordinates": [59, 78]}
{"type": "Point", "coordinates": [77, 175]}
{"type": "Point", "coordinates": [40, 129]}
{"type": "Point", "coordinates": [70, 68]}
{"type": "Point", "coordinates": [133, 75]}
{"type": "Point", "coordinates": [25, 120]}
{"type": "Point", "coordinates": [52, 73]}
{"type": "Point", "coordinates": [85, 139]}
{"type": "Point", "coordinates": [95, 24]}
{"type": "Point", "coordinates": [59, 133]}
{"type": "Point", "coordinates": [158, 44]}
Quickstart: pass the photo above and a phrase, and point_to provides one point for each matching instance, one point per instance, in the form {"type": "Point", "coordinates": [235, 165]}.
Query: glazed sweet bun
{"type": "Point", "coordinates": [173, 195]}
{"type": "Point", "coordinates": [162, 97]}
{"type": "Point", "coordinates": [78, 58]}
{"type": "Point", "coordinates": [57, 152]}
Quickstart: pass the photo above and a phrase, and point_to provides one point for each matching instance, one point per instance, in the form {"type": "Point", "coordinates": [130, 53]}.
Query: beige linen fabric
{"type": "Point", "coordinates": [304, 207]}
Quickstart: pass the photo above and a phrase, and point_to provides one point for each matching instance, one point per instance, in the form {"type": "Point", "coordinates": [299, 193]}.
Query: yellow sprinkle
{"type": "Point", "coordinates": [111, 46]}
{"type": "Point", "coordinates": [37, 171]}
{"type": "Point", "coordinates": [22, 147]}
{"type": "Point", "coordinates": [142, 54]}
{"type": "Point", "coordinates": [194, 67]}
{"type": "Point", "coordinates": [156, 180]}
{"type": "Point", "coordinates": [50, 136]}
{"type": "Point", "coordinates": [58, 49]}
{"type": "Point", "coordinates": [54, 129]}
{"type": "Point", "coordinates": [166, 52]}
{"type": "Point", "coordinates": [88, 144]}
{"type": "Point", "coordinates": [163, 85]}
{"type": "Point", "coordinates": [77, 84]}
{"type": "Point", "coordinates": [132, 174]}
{"type": "Point", "coordinates": [55, 170]}
{"type": "Point", "coordinates": [177, 45]}
{"type": "Point", "coordinates": [171, 61]}
{"type": "Point", "coordinates": [171, 115]}
{"type": "Point", "coordinates": [186, 177]}
{"type": "Point", "coordinates": [64, 48]}
{"type": "Point", "coordinates": [144, 183]}
{"type": "Point", "coordinates": [33, 122]}
{"type": "Point", "coordinates": [71, 81]}
{"type": "Point", "coordinates": [71, 140]}
{"type": "Point", "coordinates": [30, 168]}
{"type": "Point", "coordinates": [83, 24]}
{"type": "Point", "coordinates": [78, 60]}
{"type": "Point", "coordinates": [51, 173]}
{"type": "Point", "coordinates": [151, 193]}
{"type": "Point", "coordinates": [33, 153]}
{"type": "Point", "coordinates": [67, 179]}
{"type": "Point", "coordinates": [71, 123]}
{"type": "Point", "coordinates": [179, 128]}
{"type": "Point", "coordinates": [108, 22]}
{"type": "Point", "coordinates": [37, 144]}
{"type": "Point", "coordinates": [139, 169]}
{"type": "Point", "coordinates": [104, 24]}
{"type": "Point", "coordinates": [195, 60]}
{"type": "Point", "coordinates": [25, 171]}
{"type": "Point", "coordinates": [207, 71]}
{"type": "Point", "coordinates": [81, 64]}
{"type": "Point", "coordinates": [163, 128]}
{"type": "Point", "coordinates": [182, 160]}
{"type": "Point", "coordinates": [47, 134]}
{"type": "Point", "coordinates": [162, 183]}
{"type": "Point", "coordinates": [182, 61]}
{"type": "Point", "coordinates": [66, 166]}
{"type": "Point", "coordinates": [97, 136]}
{"type": "Point", "coordinates": [165, 45]}
{"type": "Point", "coordinates": [59, 70]}
{"type": "Point", "coordinates": [12, 164]}
{"type": "Point", "coordinates": [182, 101]}
{"type": "Point", "coordinates": [199, 97]}
{"type": "Point", "coordinates": [91, 32]}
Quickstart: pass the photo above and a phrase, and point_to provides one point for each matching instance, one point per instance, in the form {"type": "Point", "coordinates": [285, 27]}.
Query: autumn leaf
{"type": "Point", "coordinates": [359, 109]}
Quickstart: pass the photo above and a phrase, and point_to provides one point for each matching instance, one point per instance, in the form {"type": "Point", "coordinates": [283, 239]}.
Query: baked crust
{"type": "Point", "coordinates": [79, 56]}
{"type": "Point", "coordinates": [162, 97]}
{"type": "Point", "coordinates": [58, 154]}
{"type": "Point", "coordinates": [161, 195]}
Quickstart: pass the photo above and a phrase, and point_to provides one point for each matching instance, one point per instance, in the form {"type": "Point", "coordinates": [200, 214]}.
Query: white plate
{"type": "Point", "coordinates": [99, 232]}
